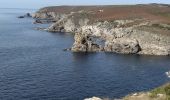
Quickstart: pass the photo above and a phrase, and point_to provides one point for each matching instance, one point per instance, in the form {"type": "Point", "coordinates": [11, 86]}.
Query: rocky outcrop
{"type": "Point", "coordinates": [123, 45]}
{"type": "Point", "coordinates": [44, 15]}
{"type": "Point", "coordinates": [42, 21]}
{"type": "Point", "coordinates": [118, 36]}
{"type": "Point", "coordinates": [85, 43]}
{"type": "Point", "coordinates": [26, 15]}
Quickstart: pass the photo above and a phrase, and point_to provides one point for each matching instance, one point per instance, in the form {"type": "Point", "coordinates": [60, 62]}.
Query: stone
{"type": "Point", "coordinates": [84, 43]}
{"type": "Point", "coordinates": [93, 98]}
{"type": "Point", "coordinates": [123, 45]}
{"type": "Point", "coordinates": [21, 17]}
{"type": "Point", "coordinates": [37, 21]}
{"type": "Point", "coordinates": [26, 15]}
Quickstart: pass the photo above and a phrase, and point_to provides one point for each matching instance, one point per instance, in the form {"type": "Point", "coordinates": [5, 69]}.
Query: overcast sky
{"type": "Point", "coordinates": [42, 3]}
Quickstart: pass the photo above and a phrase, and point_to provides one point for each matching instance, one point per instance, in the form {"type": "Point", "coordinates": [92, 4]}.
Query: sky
{"type": "Point", "coordinates": [42, 3]}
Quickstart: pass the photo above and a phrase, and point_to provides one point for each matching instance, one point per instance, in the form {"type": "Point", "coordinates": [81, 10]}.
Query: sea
{"type": "Point", "coordinates": [33, 65]}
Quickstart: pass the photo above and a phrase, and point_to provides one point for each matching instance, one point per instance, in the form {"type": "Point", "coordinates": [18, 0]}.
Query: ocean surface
{"type": "Point", "coordinates": [33, 66]}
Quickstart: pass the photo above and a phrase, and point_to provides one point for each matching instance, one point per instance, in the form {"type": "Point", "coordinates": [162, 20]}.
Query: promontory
{"type": "Point", "coordinates": [126, 29]}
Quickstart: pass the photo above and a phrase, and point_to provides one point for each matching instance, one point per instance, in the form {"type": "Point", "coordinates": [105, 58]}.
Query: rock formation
{"type": "Point", "coordinates": [85, 43]}
{"type": "Point", "coordinates": [26, 15]}
{"type": "Point", "coordinates": [123, 45]}
{"type": "Point", "coordinates": [92, 34]}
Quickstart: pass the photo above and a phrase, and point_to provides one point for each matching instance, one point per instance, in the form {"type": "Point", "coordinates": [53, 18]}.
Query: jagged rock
{"type": "Point", "coordinates": [69, 26]}
{"type": "Point", "coordinates": [26, 15]}
{"type": "Point", "coordinates": [123, 45]}
{"type": "Point", "coordinates": [84, 43]}
{"type": "Point", "coordinates": [155, 50]}
{"type": "Point", "coordinates": [40, 15]}
{"type": "Point", "coordinates": [37, 21]}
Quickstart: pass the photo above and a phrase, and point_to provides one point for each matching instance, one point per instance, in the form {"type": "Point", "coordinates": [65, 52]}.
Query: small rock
{"type": "Point", "coordinates": [168, 74]}
{"type": "Point", "coordinates": [160, 95]}
{"type": "Point", "coordinates": [93, 98]}
{"type": "Point", "coordinates": [135, 94]}
{"type": "Point", "coordinates": [67, 49]}
{"type": "Point", "coordinates": [37, 21]}
{"type": "Point", "coordinates": [26, 15]}
{"type": "Point", "coordinates": [21, 17]}
{"type": "Point", "coordinates": [40, 28]}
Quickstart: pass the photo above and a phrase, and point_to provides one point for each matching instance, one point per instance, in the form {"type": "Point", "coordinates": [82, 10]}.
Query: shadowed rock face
{"type": "Point", "coordinates": [123, 45]}
{"type": "Point", "coordinates": [128, 36]}
{"type": "Point", "coordinates": [85, 43]}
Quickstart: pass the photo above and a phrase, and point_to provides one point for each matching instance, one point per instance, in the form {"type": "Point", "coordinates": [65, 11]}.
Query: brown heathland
{"type": "Point", "coordinates": [152, 12]}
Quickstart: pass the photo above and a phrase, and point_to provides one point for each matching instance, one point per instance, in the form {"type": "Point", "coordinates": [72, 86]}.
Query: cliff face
{"type": "Point", "coordinates": [94, 33]}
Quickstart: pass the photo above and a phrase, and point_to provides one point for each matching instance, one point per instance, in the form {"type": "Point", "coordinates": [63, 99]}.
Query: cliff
{"type": "Point", "coordinates": [128, 29]}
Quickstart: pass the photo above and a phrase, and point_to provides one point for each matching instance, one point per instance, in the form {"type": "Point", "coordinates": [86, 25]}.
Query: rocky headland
{"type": "Point", "coordinates": [125, 29]}
{"type": "Point", "coordinates": [131, 29]}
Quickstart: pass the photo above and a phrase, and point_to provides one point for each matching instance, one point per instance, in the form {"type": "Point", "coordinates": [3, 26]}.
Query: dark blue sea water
{"type": "Point", "coordinates": [33, 66]}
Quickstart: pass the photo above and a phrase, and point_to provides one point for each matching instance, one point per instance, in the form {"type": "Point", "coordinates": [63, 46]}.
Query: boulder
{"type": "Point", "coordinates": [93, 98]}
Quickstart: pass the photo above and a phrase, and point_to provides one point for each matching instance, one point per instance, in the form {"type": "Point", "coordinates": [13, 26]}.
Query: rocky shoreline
{"type": "Point", "coordinates": [95, 33]}
{"type": "Point", "coordinates": [160, 93]}
{"type": "Point", "coordinates": [126, 36]}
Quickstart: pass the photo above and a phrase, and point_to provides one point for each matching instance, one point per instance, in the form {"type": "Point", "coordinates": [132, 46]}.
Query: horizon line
{"type": "Point", "coordinates": [87, 5]}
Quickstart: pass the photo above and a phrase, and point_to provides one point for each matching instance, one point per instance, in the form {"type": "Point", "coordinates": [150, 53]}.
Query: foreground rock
{"type": "Point", "coordinates": [95, 30]}
{"type": "Point", "coordinates": [93, 98]}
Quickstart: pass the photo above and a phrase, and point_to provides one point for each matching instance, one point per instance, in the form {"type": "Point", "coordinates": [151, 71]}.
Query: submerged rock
{"type": "Point", "coordinates": [21, 17]}
{"type": "Point", "coordinates": [41, 28]}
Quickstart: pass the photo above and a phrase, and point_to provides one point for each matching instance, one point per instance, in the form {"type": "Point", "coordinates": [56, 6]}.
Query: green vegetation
{"type": "Point", "coordinates": [162, 26]}
{"type": "Point", "coordinates": [165, 14]}
{"type": "Point", "coordinates": [161, 90]}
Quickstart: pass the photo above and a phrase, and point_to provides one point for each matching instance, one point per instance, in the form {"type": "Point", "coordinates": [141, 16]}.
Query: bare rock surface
{"type": "Point", "coordinates": [85, 43]}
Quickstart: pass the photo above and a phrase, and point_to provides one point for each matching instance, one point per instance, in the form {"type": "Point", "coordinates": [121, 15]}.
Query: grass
{"type": "Point", "coordinates": [162, 26]}
{"type": "Point", "coordinates": [161, 90]}
{"type": "Point", "coordinates": [163, 14]}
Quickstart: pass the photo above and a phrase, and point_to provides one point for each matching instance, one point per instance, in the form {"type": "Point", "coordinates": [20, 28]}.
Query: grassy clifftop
{"type": "Point", "coordinates": [157, 12]}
